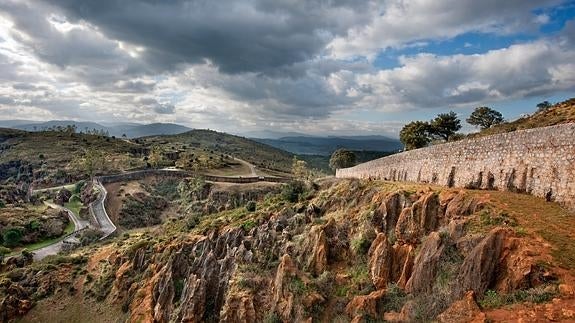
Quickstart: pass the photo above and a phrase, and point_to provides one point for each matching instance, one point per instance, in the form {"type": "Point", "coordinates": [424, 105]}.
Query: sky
{"type": "Point", "coordinates": [322, 67]}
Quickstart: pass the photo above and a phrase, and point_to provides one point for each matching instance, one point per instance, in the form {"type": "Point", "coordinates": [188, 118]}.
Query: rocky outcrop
{"type": "Point", "coordinates": [426, 263]}
{"type": "Point", "coordinates": [419, 219]}
{"type": "Point", "coordinates": [387, 214]}
{"type": "Point", "coordinates": [283, 298]}
{"type": "Point", "coordinates": [479, 269]}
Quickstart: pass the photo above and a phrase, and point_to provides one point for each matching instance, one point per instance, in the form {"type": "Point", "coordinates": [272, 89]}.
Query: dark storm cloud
{"type": "Point", "coordinates": [237, 36]}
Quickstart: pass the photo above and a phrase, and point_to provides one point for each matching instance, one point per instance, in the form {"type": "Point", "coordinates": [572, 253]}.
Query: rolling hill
{"type": "Point", "coordinates": [257, 153]}
{"type": "Point", "coordinates": [130, 130]}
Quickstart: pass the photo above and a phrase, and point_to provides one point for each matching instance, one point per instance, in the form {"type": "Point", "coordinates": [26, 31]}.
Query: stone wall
{"type": "Point", "coordinates": [138, 175]}
{"type": "Point", "coordinates": [537, 161]}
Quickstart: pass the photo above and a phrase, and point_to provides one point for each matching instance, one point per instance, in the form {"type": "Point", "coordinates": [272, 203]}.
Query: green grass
{"type": "Point", "coordinates": [74, 207]}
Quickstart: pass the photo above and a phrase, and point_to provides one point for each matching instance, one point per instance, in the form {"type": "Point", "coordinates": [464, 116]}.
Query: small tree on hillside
{"type": "Point", "coordinates": [543, 106]}
{"type": "Point", "coordinates": [485, 117]}
{"type": "Point", "coordinates": [445, 125]}
{"type": "Point", "coordinates": [156, 157]}
{"type": "Point", "coordinates": [299, 169]}
{"type": "Point", "coordinates": [415, 135]}
{"type": "Point", "coordinates": [342, 158]}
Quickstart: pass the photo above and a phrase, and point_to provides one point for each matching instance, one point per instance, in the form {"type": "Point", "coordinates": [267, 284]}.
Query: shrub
{"type": "Point", "coordinates": [251, 206]}
{"type": "Point", "coordinates": [12, 237]}
{"type": "Point", "coordinates": [293, 190]}
{"type": "Point", "coordinates": [361, 245]}
{"type": "Point", "coordinates": [248, 225]}
{"type": "Point", "coordinates": [2, 204]}
{"type": "Point", "coordinates": [79, 186]}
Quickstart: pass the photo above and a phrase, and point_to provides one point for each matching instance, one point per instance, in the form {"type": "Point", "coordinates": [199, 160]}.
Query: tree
{"type": "Point", "coordinates": [156, 156]}
{"type": "Point", "coordinates": [485, 117]}
{"type": "Point", "coordinates": [415, 135]}
{"type": "Point", "coordinates": [342, 158]}
{"type": "Point", "coordinates": [543, 106]}
{"type": "Point", "coordinates": [299, 169]}
{"type": "Point", "coordinates": [445, 125]}
{"type": "Point", "coordinates": [12, 237]}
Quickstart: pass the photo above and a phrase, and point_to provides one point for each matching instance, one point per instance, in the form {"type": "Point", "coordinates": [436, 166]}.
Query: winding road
{"type": "Point", "coordinates": [56, 247]}
{"type": "Point", "coordinates": [98, 211]}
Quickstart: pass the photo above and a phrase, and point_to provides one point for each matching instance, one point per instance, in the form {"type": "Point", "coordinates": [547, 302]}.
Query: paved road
{"type": "Point", "coordinates": [54, 248]}
{"type": "Point", "coordinates": [98, 210]}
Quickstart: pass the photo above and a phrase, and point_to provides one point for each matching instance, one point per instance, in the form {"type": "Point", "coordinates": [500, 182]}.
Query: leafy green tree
{"type": "Point", "coordinates": [545, 105]}
{"type": "Point", "coordinates": [485, 117]}
{"type": "Point", "coordinates": [342, 158]}
{"type": "Point", "coordinates": [415, 135]}
{"type": "Point", "coordinates": [12, 237]}
{"type": "Point", "coordinates": [445, 125]}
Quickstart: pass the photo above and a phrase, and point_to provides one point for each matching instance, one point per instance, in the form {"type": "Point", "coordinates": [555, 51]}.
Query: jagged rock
{"type": "Point", "coordinates": [239, 307]}
{"type": "Point", "coordinates": [518, 268]}
{"type": "Point", "coordinates": [464, 310]}
{"type": "Point", "coordinates": [419, 219]}
{"type": "Point", "coordinates": [460, 205]}
{"type": "Point", "coordinates": [318, 259]}
{"type": "Point", "coordinates": [283, 298]}
{"type": "Point", "coordinates": [386, 215]}
{"type": "Point", "coordinates": [403, 260]}
{"type": "Point", "coordinates": [478, 270]}
{"type": "Point", "coordinates": [380, 260]}
{"type": "Point", "coordinates": [363, 305]}
{"type": "Point", "coordinates": [193, 301]}
{"type": "Point", "coordinates": [425, 267]}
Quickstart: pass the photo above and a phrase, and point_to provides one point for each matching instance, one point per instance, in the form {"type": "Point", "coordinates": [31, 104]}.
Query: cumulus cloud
{"type": "Point", "coordinates": [302, 65]}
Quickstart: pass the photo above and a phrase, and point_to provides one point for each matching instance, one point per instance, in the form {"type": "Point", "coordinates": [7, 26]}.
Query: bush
{"type": "Point", "coordinates": [2, 204]}
{"type": "Point", "coordinates": [293, 190]}
{"type": "Point", "coordinates": [361, 245]}
{"type": "Point", "coordinates": [79, 186]}
{"type": "Point", "coordinates": [11, 237]}
{"type": "Point", "coordinates": [251, 206]}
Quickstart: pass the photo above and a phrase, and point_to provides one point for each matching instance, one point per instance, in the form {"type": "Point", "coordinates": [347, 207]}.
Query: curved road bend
{"type": "Point", "coordinates": [98, 210]}
{"type": "Point", "coordinates": [54, 248]}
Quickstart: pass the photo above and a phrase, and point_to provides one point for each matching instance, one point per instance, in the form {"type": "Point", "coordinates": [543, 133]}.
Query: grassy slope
{"type": "Point", "coordinates": [206, 141]}
{"type": "Point", "coordinates": [563, 112]}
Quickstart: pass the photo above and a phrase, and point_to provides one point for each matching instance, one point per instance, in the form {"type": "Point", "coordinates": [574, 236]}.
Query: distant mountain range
{"type": "Point", "coordinates": [131, 130]}
{"type": "Point", "coordinates": [309, 145]}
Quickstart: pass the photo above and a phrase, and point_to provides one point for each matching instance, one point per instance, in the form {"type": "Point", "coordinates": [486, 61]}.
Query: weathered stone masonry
{"type": "Point", "coordinates": [537, 161]}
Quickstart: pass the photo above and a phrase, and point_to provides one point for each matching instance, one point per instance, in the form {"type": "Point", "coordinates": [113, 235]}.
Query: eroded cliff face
{"type": "Point", "coordinates": [352, 251]}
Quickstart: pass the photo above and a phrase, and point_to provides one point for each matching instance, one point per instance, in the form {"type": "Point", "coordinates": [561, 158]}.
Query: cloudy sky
{"type": "Point", "coordinates": [312, 66]}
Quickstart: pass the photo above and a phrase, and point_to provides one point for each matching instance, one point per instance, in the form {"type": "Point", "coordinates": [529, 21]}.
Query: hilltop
{"type": "Point", "coordinates": [259, 154]}
{"type": "Point", "coordinates": [560, 113]}
{"type": "Point", "coordinates": [129, 130]}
